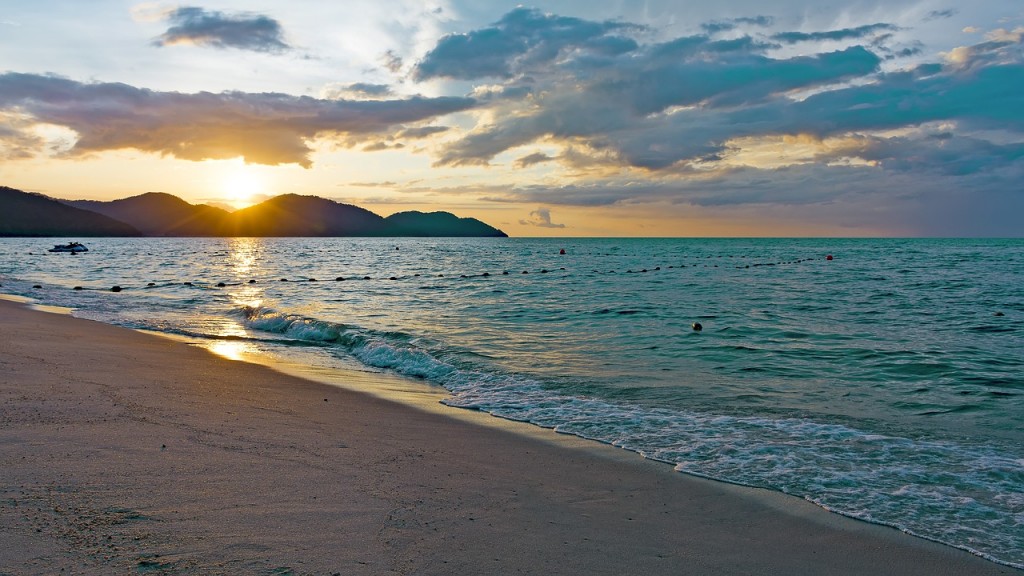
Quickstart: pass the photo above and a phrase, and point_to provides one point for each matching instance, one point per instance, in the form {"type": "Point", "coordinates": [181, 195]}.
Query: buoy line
{"type": "Point", "coordinates": [486, 274]}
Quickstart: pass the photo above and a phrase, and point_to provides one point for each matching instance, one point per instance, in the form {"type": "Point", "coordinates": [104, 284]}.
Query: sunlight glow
{"type": "Point", "coordinates": [241, 184]}
{"type": "Point", "coordinates": [771, 152]}
{"type": "Point", "coordinates": [232, 350]}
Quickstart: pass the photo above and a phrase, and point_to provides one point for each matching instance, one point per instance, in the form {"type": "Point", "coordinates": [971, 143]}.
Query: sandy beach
{"type": "Point", "coordinates": [126, 452]}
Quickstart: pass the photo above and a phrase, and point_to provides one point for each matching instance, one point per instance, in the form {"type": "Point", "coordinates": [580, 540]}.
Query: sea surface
{"type": "Point", "coordinates": [886, 384]}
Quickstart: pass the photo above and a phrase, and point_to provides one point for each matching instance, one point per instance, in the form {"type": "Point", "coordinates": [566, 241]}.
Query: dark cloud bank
{"type": "Point", "coordinates": [671, 109]}
{"type": "Point", "coordinates": [661, 104]}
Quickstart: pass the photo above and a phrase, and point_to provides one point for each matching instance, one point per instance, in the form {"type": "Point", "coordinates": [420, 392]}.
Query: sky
{"type": "Point", "coordinates": [561, 118]}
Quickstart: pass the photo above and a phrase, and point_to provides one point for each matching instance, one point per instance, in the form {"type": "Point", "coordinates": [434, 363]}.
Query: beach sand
{"type": "Point", "coordinates": [125, 452]}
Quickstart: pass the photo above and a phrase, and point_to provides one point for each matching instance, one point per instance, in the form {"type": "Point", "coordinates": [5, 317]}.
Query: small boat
{"type": "Point", "coordinates": [73, 247]}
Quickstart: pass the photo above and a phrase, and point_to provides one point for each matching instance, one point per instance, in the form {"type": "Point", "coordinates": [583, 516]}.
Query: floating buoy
{"type": "Point", "coordinates": [312, 279]}
{"type": "Point", "coordinates": [485, 274]}
{"type": "Point", "coordinates": [366, 277]}
{"type": "Point", "coordinates": [339, 279]}
{"type": "Point", "coordinates": [151, 284]}
{"type": "Point", "coordinates": [999, 314]}
{"type": "Point", "coordinates": [220, 284]}
{"type": "Point", "coordinates": [77, 288]}
{"type": "Point", "coordinates": [697, 327]}
{"type": "Point", "coordinates": [562, 251]}
{"type": "Point", "coordinates": [36, 286]}
{"type": "Point", "coordinates": [396, 247]}
{"type": "Point", "coordinates": [393, 278]}
{"type": "Point", "coordinates": [284, 279]}
{"type": "Point", "coordinates": [115, 289]}
{"type": "Point", "coordinates": [829, 257]}
{"type": "Point", "coordinates": [252, 281]}
{"type": "Point", "coordinates": [188, 283]}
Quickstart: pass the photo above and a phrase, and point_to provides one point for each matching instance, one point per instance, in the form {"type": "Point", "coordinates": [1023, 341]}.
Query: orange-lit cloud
{"type": "Point", "coordinates": [264, 128]}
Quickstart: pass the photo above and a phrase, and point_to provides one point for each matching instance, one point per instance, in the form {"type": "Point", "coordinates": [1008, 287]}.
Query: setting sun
{"type": "Point", "coordinates": [240, 186]}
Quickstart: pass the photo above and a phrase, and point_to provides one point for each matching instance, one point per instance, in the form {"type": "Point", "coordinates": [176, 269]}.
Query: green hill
{"type": "Point", "coordinates": [29, 214]}
{"type": "Point", "coordinates": [159, 214]}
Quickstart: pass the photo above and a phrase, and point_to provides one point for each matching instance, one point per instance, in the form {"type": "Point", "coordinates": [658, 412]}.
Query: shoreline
{"type": "Point", "coordinates": [133, 451]}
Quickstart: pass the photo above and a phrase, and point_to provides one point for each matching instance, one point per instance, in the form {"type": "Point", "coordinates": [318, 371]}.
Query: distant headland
{"type": "Point", "coordinates": [160, 214]}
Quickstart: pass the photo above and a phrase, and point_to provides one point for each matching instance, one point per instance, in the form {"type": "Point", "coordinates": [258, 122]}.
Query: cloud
{"type": "Point", "coordinates": [392, 61]}
{"type": "Point", "coordinates": [677, 106]}
{"type": "Point", "coordinates": [941, 14]}
{"type": "Point", "coordinates": [1003, 36]}
{"type": "Point", "coordinates": [263, 128]}
{"type": "Point", "coordinates": [17, 140]}
{"type": "Point", "coordinates": [541, 218]}
{"type": "Point", "coordinates": [421, 132]}
{"type": "Point", "coordinates": [756, 20]}
{"type": "Point", "coordinates": [531, 159]}
{"type": "Point", "coordinates": [717, 26]}
{"type": "Point", "coordinates": [245, 31]}
{"type": "Point", "coordinates": [524, 37]}
{"type": "Point", "coordinates": [843, 34]}
{"type": "Point", "coordinates": [385, 184]}
{"type": "Point", "coordinates": [616, 104]}
{"type": "Point", "coordinates": [971, 92]}
{"type": "Point", "coordinates": [713, 122]}
{"type": "Point", "coordinates": [381, 146]}
{"type": "Point", "coordinates": [357, 91]}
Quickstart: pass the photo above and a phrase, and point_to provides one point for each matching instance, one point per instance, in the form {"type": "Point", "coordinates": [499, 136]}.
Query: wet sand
{"type": "Point", "coordinates": [126, 452]}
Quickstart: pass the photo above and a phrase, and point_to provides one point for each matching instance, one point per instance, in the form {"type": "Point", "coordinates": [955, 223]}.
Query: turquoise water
{"type": "Point", "coordinates": [886, 384]}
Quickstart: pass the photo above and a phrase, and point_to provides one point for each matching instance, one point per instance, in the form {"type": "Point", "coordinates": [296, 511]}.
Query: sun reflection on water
{"type": "Point", "coordinates": [243, 262]}
{"type": "Point", "coordinates": [245, 253]}
{"type": "Point", "coordinates": [232, 349]}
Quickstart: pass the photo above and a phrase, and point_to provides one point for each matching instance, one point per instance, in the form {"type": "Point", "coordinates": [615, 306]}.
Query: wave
{"type": "Point", "coordinates": [964, 496]}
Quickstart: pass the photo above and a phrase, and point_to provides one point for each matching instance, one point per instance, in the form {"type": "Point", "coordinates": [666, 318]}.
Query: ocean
{"type": "Point", "coordinates": [885, 383]}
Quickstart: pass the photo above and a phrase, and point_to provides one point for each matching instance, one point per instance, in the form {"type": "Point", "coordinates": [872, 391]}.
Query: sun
{"type": "Point", "coordinates": [241, 185]}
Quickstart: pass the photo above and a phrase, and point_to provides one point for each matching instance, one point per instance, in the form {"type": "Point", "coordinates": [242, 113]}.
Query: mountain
{"type": "Point", "coordinates": [27, 214]}
{"type": "Point", "coordinates": [437, 224]}
{"type": "Point", "coordinates": [294, 215]}
{"type": "Point", "coordinates": [159, 214]}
